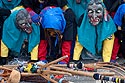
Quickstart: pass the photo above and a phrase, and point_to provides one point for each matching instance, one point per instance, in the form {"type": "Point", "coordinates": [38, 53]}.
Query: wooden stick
{"type": "Point", "coordinates": [56, 72]}
{"type": "Point", "coordinates": [49, 79]}
{"type": "Point", "coordinates": [105, 66]}
{"type": "Point", "coordinates": [4, 68]}
{"type": "Point", "coordinates": [113, 70]}
{"type": "Point", "coordinates": [9, 66]}
{"type": "Point", "coordinates": [5, 75]}
{"type": "Point", "coordinates": [116, 64]}
{"type": "Point", "coordinates": [97, 66]}
{"type": "Point", "coordinates": [82, 73]}
{"type": "Point", "coordinates": [55, 61]}
{"type": "Point", "coordinates": [30, 74]}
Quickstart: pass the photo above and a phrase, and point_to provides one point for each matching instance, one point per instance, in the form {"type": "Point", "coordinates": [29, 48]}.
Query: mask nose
{"type": "Point", "coordinates": [28, 28]}
{"type": "Point", "coordinates": [94, 15]}
{"type": "Point", "coordinates": [28, 25]}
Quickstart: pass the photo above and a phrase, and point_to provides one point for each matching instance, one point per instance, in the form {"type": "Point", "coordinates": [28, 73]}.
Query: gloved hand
{"type": "Point", "coordinates": [35, 17]}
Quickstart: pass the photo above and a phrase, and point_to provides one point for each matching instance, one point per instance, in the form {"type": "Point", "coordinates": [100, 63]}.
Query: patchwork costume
{"type": "Point", "coordinates": [111, 7]}
{"type": "Point", "coordinates": [52, 17]}
{"type": "Point", "coordinates": [68, 33]}
{"type": "Point", "coordinates": [16, 29]}
{"type": "Point", "coordinates": [94, 31]}
{"type": "Point", "coordinates": [119, 20]}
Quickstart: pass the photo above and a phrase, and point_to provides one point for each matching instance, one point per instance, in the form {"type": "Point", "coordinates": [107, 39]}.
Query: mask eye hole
{"type": "Point", "coordinates": [90, 11]}
{"type": "Point", "coordinates": [98, 11]}
{"type": "Point", "coordinates": [23, 24]}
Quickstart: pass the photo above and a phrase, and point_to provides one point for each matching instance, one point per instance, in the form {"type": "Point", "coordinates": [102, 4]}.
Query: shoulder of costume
{"type": "Point", "coordinates": [17, 8]}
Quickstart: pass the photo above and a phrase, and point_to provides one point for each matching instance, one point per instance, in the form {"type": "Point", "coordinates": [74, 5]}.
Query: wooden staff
{"type": "Point", "coordinates": [53, 62]}
{"type": "Point", "coordinates": [49, 79]}
{"type": "Point", "coordinates": [4, 68]}
{"type": "Point", "coordinates": [106, 65]}
{"type": "Point", "coordinates": [113, 71]}
{"type": "Point", "coordinates": [55, 72]}
{"type": "Point", "coordinates": [100, 65]}
{"type": "Point", "coordinates": [9, 66]}
{"type": "Point", "coordinates": [82, 73]}
{"type": "Point", "coordinates": [6, 71]}
{"type": "Point", "coordinates": [115, 64]}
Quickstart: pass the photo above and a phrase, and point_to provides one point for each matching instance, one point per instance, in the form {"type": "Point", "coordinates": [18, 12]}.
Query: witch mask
{"type": "Point", "coordinates": [23, 21]}
{"type": "Point", "coordinates": [95, 12]}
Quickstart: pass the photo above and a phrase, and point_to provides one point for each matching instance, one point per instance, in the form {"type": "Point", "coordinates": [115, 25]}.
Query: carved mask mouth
{"type": "Point", "coordinates": [23, 21]}
{"type": "Point", "coordinates": [95, 13]}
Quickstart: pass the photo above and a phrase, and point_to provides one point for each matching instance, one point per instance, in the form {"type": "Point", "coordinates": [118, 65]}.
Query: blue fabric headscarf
{"type": "Point", "coordinates": [53, 18]}
{"type": "Point", "coordinates": [78, 9]}
{"type": "Point", "coordinates": [119, 15]}
{"type": "Point", "coordinates": [13, 37]}
{"type": "Point", "coordinates": [9, 5]}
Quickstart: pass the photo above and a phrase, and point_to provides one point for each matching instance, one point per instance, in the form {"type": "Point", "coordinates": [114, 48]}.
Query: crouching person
{"type": "Point", "coordinates": [95, 34]}
{"type": "Point", "coordinates": [53, 23]}
{"type": "Point", "coordinates": [17, 29]}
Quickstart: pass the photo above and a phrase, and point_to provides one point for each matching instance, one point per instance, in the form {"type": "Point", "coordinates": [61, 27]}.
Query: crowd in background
{"type": "Point", "coordinates": [44, 30]}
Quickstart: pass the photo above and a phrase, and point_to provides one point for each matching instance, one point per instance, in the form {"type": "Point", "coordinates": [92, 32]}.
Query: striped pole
{"type": "Point", "coordinates": [97, 76]}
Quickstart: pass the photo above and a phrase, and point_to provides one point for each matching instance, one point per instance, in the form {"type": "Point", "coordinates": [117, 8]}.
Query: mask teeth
{"type": "Point", "coordinates": [29, 30]}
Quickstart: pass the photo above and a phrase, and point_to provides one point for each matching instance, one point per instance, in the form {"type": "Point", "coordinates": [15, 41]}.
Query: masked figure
{"type": "Point", "coordinates": [95, 34]}
{"type": "Point", "coordinates": [17, 29]}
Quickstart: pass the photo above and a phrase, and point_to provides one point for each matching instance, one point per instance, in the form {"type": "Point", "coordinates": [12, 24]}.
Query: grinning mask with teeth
{"type": "Point", "coordinates": [95, 12]}
{"type": "Point", "coordinates": [23, 21]}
